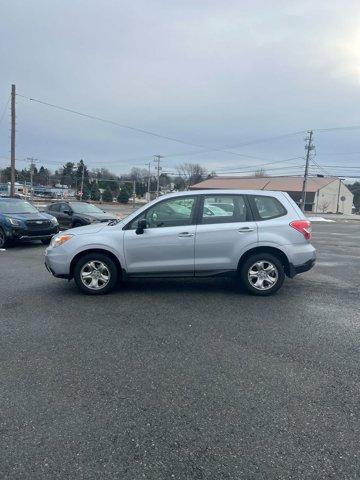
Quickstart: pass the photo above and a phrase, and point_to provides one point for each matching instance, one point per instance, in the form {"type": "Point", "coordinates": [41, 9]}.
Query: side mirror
{"type": "Point", "coordinates": [67, 212]}
{"type": "Point", "coordinates": [141, 226]}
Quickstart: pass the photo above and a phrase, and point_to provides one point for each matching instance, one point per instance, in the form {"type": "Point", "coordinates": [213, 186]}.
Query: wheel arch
{"type": "Point", "coordinates": [270, 250]}
{"type": "Point", "coordinates": [103, 251]}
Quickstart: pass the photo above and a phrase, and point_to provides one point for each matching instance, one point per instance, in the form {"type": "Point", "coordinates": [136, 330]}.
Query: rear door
{"type": "Point", "coordinates": [225, 230]}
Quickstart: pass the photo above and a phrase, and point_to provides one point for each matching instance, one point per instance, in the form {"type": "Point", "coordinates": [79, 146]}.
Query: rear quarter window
{"type": "Point", "coordinates": [267, 207]}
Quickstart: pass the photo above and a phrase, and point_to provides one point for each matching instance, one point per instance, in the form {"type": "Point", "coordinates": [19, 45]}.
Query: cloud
{"type": "Point", "coordinates": [211, 73]}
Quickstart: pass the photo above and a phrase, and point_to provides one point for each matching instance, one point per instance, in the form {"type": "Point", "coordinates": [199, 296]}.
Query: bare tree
{"type": "Point", "coordinates": [191, 173]}
{"type": "Point", "coordinates": [138, 174]}
{"type": "Point", "coordinates": [324, 205]}
{"type": "Point", "coordinates": [260, 173]}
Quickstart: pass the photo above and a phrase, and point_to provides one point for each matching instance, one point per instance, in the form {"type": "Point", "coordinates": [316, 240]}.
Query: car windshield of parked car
{"type": "Point", "coordinates": [17, 207]}
{"type": "Point", "coordinates": [85, 208]}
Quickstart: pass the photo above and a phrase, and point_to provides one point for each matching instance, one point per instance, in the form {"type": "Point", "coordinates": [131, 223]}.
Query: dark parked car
{"type": "Point", "coordinates": [19, 220]}
{"type": "Point", "coordinates": [77, 214]}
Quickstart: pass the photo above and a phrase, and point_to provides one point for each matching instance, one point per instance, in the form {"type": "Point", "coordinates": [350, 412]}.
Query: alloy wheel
{"type": "Point", "coordinates": [95, 275]}
{"type": "Point", "coordinates": [263, 275]}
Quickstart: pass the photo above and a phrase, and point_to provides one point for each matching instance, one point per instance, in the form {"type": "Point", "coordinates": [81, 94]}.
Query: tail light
{"type": "Point", "coordinates": [302, 226]}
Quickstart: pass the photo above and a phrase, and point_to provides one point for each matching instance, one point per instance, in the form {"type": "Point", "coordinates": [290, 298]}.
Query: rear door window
{"type": "Point", "coordinates": [268, 207]}
{"type": "Point", "coordinates": [224, 209]}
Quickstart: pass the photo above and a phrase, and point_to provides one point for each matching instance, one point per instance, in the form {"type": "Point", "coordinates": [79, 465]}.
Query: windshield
{"type": "Point", "coordinates": [17, 207]}
{"type": "Point", "coordinates": [85, 208]}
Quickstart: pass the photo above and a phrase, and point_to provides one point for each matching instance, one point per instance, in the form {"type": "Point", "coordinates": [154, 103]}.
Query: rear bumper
{"type": "Point", "coordinates": [305, 267]}
{"type": "Point", "coordinates": [301, 258]}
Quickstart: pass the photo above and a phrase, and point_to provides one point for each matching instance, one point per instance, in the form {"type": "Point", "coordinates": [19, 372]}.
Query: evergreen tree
{"type": "Point", "coordinates": [107, 195]}
{"type": "Point", "coordinates": [123, 196]}
{"type": "Point", "coordinates": [94, 192]}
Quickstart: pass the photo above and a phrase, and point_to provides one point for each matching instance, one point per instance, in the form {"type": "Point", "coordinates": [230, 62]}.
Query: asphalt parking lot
{"type": "Point", "coordinates": [173, 379]}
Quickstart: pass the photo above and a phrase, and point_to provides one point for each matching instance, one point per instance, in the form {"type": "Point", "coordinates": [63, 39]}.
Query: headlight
{"type": "Point", "coordinates": [14, 222]}
{"type": "Point", "coordinates": [54, 221]}
{"type": "Point", "coordinates": [60, 240]}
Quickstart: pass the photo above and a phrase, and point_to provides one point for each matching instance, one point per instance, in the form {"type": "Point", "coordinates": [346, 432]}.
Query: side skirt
{"type": "Point", "coordinates": [203, 273]}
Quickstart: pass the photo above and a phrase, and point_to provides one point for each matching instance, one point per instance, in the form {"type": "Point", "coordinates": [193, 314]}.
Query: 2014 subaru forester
{"type": "Point", "coordinates": [259, 236]}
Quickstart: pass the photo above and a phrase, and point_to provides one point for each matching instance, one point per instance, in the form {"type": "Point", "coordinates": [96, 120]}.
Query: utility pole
{"type": "Point", "coordinates": [82, 181]}
{"type": "Point", "coordinates": [32, 166]}
{"type": "Point", "coordinates": [338, 196]}
{"type": "Point", "coordinates": [134, 192]}
{"type": "Point", "coordinates": [308, 149]}
{"type": "Point", "coordinates": [13, 126]}
{"type": "Point", "coordinates": [149, 181]}
{"type": "Point", "coordinates": [157, 160]}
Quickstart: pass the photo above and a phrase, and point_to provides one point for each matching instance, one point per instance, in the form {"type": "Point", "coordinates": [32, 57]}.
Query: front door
{"type": "Point", "coordinates": [166, 246]}
{"type": "Point", "coordinates": [224, 231]}
{"type": "Point", "coordinates": [65, 216]}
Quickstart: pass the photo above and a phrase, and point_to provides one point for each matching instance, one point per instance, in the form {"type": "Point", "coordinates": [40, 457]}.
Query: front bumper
{"type": "Point", "coordinates": [57, 262]}
{"type": "Point", "coordinates": [28, 234]}
{"type": "Point", "coordinates": [57, 275]}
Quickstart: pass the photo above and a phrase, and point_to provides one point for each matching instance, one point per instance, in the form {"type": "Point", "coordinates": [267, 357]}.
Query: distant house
{"type": "Point", "coordinates": [323, 195]}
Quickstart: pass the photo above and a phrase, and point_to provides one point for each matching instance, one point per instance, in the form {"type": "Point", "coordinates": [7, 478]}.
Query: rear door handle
{"type": "Point", "coordinates": [185, 234]}
{"type": "Point", "coordinates": [246, 229]}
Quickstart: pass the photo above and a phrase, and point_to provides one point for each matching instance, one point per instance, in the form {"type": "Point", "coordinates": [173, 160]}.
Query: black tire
{"type": "Point", "coordinates": [3, 239]}
{"type": "Point", "coordinates": [46, 241]}
{"type": "Point", "coordinates": [249, 272]}
{"type": "Point", "coordinates": [81, 269]}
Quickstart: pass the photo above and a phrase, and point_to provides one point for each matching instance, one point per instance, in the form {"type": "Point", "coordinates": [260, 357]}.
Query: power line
{"type": "Point", "coordinates": [5, 108]}
{"type": "Point", "coordinates": [265, 164]}
{"type": "Point", "coordinates": [339, 166]}
{"type": "Point", "coordinates": [155, 134]}
{"type": "Point", "coordinates": [332, 129]}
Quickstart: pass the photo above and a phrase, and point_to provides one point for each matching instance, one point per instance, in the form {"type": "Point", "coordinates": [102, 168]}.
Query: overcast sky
{"type": "Point", "coordinates": [213, 73]}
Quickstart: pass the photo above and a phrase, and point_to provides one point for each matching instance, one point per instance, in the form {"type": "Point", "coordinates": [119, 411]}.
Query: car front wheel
{"type": "Point", "coordinates": [95, 274]}
{"type": "Point", "coordinates": [3, 239]}
{"type": "Point", "coordinates": [262, 274]}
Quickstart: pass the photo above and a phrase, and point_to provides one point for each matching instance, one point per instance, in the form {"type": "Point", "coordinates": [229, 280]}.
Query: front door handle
{"type": "Point", "coordinates": [246, 229]}
{"type": "Point", "coordinates": [185, 234]}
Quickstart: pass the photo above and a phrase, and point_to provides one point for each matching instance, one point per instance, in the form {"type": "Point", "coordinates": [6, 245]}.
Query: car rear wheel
{"type": "Point", "coordinates": [3, 239]}
{"type": "Point", "coordinates": [95, 274]}
{"type": "Point", "coordinates": [262, 274]}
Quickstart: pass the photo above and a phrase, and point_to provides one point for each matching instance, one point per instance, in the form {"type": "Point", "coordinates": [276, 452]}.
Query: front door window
{"type": "Point", "coordinates": [175, 212]}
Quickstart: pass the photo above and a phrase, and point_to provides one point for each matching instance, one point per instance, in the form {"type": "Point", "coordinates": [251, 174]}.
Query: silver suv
{"type": "Point", "coordinates": [260, 237]}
